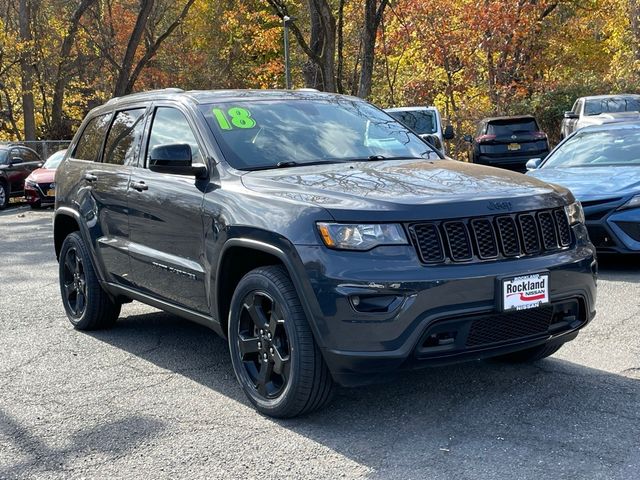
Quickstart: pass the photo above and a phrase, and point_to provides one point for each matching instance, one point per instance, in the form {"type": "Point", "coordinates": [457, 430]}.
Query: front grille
{"type": "Point", "coordinates": [427, 238]}
{"type": "Point", "coordinates": [458, 241]}
{"type": "Point", "coordinates": [502, 327]}
{"type": "Point", "coordinates": [494, 237]}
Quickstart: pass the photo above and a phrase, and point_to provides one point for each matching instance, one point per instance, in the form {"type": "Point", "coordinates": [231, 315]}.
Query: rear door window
{"type": "Point", "coordinates": [511, 127]}
{"type": "Point", "coordinates": [88, 147]}
{"type": "Point", "coordinates": [125, 135]}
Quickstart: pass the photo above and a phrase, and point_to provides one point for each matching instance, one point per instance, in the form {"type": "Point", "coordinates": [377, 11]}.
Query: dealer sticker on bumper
{"type": "Point", "coordinates": [527, 291]}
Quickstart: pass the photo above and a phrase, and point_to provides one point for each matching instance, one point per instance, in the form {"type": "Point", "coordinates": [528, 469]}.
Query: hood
{"type": "Point", "coordinates": [615, 117]}
{"type": "Point", "coordinates": [42, 175]}
{"type": "Point", "coordinates": [592, 183]}
{"type": "Point", "coordinates": [404, 185]}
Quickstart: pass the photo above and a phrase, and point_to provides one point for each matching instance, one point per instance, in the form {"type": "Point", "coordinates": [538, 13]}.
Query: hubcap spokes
{"type": "Point", "coordinates": [263, 344]}
{"type": "Point", "coordinates": [74, 283]}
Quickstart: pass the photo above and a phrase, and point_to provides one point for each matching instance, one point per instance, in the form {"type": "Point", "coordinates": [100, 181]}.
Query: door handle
{"type": "Point", "coordinates": [139, 186]}
{"type": "Point", "coordinates": [90, 177]}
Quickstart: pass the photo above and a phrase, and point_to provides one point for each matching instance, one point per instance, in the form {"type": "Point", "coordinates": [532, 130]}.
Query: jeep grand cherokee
{"type": "Point", "coordinates": [327, 242]}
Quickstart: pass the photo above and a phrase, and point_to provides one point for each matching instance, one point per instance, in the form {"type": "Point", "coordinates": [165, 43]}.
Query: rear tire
{"type": "Point", "coordinates": [274, 354]}
{"type": "Point", "coordinates": [87, 305]}
{"type": "Point", "coordinates": [531, 354]}
{"type": "Point", "coordinates": [4, 196]}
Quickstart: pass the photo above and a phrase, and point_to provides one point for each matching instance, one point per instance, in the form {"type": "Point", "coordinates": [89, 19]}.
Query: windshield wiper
{"type": "Point", "coordinates": [290, 163]}
{"type": "Point", "coordinates": [382, 157]}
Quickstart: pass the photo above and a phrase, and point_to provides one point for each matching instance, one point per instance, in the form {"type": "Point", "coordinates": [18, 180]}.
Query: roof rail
{"type": "Point", "coordinates": [144, 94]}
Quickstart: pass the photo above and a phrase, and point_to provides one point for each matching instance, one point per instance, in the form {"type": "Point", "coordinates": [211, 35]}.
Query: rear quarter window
{"type": "Point", "coordinates": [90, 142]}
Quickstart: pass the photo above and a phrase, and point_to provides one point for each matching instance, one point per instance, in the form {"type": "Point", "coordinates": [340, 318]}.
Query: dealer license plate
{"type": "Point", "coordinates": [526, 291]}
{"type": "Point", "coordinates": [513, 146]}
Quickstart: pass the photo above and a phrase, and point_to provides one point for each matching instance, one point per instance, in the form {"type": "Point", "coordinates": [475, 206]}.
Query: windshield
{"type": "Point", "coordinates": [611, 105]}
{"type": "Point", "coordinates": [597, 149]}
{"type": "Point", "coordinates": [270, 133]}
{"type": "Point", "coordinates": [54, 160]}
{"type": "Point", "coordinates": [420, 121]}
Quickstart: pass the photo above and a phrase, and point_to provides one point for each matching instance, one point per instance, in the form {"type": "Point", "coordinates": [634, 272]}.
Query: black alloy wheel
{"type": "Point", "coordinates": [74, 283]}
{"type": "Point", "coordinates": [263, 344]}
{"type": "Point", "coordinates": [87, 304]}
{"type": "Point", "coordinates": [274, 353]}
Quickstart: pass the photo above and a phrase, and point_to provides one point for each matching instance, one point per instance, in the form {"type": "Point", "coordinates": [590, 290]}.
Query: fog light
{"type": "Point", "coordinates": [355, 300]}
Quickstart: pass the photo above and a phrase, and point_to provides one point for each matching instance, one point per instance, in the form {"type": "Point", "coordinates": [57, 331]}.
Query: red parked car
{"type": "Point", "coordinates": [40, 187]}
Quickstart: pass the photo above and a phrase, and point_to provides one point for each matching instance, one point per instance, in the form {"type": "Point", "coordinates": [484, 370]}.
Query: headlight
{"type": "Point", "coordinates": [30, 183]}
{"type": "Point", "coordinates": [575, 213]}
{"type": "Point", "coordinates": [361, 236]}
{"type": "Point", "coordinates": [633, 203]}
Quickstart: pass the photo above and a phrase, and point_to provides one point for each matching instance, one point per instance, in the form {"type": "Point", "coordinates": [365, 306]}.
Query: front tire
{"type": "Point", "coordinates": [531, 354]}
{"type": "Point", "coordinates": [87, 305]}
{"type": "Point", "coordinates": [274, 354]}
{"type": "Point", "coordinates": [4, 196]}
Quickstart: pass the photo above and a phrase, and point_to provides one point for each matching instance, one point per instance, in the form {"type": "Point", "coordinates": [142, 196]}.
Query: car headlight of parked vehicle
{"type": "Point", "coordinates": [575, 213]}
{"type": "Point", "coordinates": [361, 236]}
{"type": "Point", "coordinates": [632, 203]}
{"type": "Point", "coordinates": [30, 183]}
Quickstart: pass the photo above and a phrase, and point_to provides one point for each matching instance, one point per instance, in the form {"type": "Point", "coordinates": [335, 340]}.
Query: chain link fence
{"type": "Point", "coordinates": [45, 148]}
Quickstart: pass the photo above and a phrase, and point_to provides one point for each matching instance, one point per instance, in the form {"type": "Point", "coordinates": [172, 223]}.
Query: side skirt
{"type": "Point", "coordinates": [209, 322]}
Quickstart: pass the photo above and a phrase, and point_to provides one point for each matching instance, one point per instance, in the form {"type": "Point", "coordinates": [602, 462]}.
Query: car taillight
{"type": "Point", "coordinates": [485, 138]}
{"type": "Point", "coordinates": [540, 135]}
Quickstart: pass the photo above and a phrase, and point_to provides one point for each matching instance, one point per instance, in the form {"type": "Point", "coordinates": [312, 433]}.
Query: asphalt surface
{"type": "Point", "coordinates": [156, 397]}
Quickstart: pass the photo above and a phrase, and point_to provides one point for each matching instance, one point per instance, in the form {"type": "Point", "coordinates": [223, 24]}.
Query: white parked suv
{"type": "Point", "coordinates": [426, 122]}
{"type": "Point", "coordinates": [599, 109]}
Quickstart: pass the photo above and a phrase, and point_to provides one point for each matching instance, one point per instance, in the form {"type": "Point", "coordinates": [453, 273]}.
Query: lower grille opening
{"type": "Point", "coordinates": [510, 325]}
{"type": "Point", "coordinates": [475, 331]}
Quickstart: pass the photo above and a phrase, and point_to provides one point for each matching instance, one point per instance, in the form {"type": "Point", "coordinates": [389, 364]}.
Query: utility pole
{"type": "Point", "coordinates": [287, 69]}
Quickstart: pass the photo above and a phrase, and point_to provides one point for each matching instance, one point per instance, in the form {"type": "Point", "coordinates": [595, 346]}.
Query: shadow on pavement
{"type": "Point", "coordinates": [114, 438]}
{"type": "Point", "coordinates": [554, 416]}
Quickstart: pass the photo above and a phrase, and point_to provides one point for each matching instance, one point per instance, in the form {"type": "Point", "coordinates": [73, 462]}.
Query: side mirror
{"type": "Point", "coordinates": [533, 164]}
{"type": "Point", "coordinates": [570, 115]}
{"type": "Point", "coordinates": [39, 165]}
{"type": "Point", "coordinates": [174, 158]}
{"type": "Point", "coordinates": [468, 138]}
{"type": "Point", "coordinates": [448, 133]}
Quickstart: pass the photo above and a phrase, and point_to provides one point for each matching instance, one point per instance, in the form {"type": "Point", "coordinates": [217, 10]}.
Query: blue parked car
{"type": "Point", "coordinates": [601, 166]}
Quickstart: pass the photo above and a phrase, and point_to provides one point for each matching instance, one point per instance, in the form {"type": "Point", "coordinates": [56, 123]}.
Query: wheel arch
{"type": "Point", "coordinates": [241, 255]}
{"type": "Point", "coordinates": [65, 222]}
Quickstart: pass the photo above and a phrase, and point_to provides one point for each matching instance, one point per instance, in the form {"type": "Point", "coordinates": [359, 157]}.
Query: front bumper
{"type": "Point", "coordinates": [362, 346]}
{"type": "Point", "coordinates": [516, 163]}
{"type": "Point", "coordinates": [38, 194]}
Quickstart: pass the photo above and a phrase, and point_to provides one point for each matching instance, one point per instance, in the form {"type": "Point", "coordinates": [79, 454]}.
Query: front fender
{"type": "Point", "coordinates": [272, 244]}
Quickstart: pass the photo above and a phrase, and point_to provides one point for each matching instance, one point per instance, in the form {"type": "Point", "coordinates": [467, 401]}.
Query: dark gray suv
{"type": "Point", "coordinates": [326, 241]}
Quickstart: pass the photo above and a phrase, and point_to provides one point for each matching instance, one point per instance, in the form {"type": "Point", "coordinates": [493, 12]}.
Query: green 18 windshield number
{"type": "Point", "coordinates": [235, 117]}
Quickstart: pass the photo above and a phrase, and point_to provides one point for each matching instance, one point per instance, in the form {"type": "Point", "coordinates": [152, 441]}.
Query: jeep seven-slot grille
{"type": "Point", "coordinates": [493, 237]}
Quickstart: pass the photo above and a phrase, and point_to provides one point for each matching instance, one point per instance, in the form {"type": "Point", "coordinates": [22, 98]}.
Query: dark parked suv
{"type": "Point", "coordinates": [16, 164]}
{"type": "Point", "coordinates": [508, 142]}
{"type": "Point", "coordinates": [327, 242]}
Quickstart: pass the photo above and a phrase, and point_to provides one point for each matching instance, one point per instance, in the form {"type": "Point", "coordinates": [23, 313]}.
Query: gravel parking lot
{"type": "Point", "coordinates": [156, 398]}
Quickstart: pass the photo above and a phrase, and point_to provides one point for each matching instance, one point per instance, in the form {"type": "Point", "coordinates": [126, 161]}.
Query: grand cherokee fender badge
{"type": "Point", "coordinates": [499, 206]}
